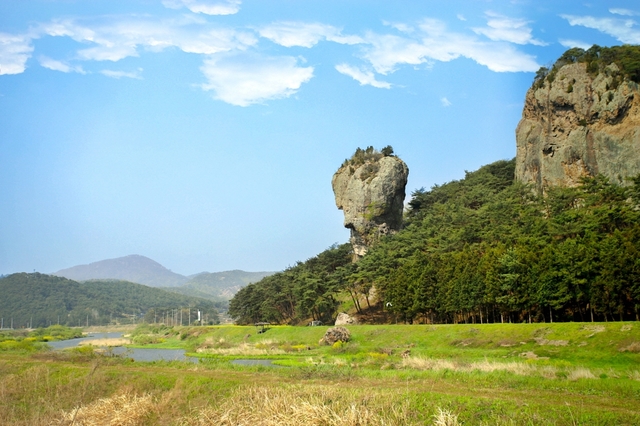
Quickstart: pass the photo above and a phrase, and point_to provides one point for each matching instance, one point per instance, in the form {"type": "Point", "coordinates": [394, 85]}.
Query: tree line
{"type": "Point", "coordinates": [480, 249]}
{"type": "Point", "coordinates": [39, 300]}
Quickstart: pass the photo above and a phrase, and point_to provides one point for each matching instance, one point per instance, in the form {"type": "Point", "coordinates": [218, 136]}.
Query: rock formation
{"type": "Point", "coordinates": [370, 189]}
{"type": "Point", "coordinates": [580, 119]}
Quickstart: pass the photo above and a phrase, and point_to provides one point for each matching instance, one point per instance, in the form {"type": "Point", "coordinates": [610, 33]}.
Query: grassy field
{"type": "Point", "coordinates": [492, 374]}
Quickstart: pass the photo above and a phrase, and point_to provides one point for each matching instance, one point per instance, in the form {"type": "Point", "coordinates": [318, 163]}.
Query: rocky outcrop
{"type": "Point", "coordinates": [578, 123]}
{"type": "Point", "coordinates": [370, 190]}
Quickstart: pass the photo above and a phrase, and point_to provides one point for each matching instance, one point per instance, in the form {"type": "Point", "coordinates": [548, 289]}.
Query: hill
{"type": "Point", "coordinates": [481, 249]}
{"type": "Point", "coordinates": [38, 300]}
{"type": "Point", "coordinates": [216, 286]}
{"type": "Point", "coordinates": [221, 285]}
{"type": "Point", "coordinates": [133, 268]}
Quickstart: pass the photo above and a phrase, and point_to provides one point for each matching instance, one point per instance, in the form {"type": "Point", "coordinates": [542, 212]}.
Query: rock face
{"type": "Point", "coordinates": [370, 190]}
{"type": "Point", "coordinates": [579, 124]}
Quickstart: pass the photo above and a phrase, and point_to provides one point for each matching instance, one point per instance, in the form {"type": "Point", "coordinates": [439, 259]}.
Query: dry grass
{"type": "Point", "coordinates": [519, 368]}
{"type": "Point", "coordinates": [241, 349]}
{"type": "Point", "coordinates": [544, 342]}
{"type": "Point", "coordinates": [445, 418]}
{"type": "Point", "coordinates": [420, 363]}
{"type": "Point", "coordinates": [298, 405]}
{"type": "Point", "coordinates": [633, 347]}
{"type": "Point", "coordinates": [105, 342]}
{"type": "Point", "coordinates": [120, 410]}
{"type": "Point", "coordinates": [580, 373]}
{"type": "Point", "coordinates": [595, 328]}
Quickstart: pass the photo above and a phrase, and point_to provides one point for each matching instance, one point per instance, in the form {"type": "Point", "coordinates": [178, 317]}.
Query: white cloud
{"type": "Point", "coordinates": [137, 74]}
{"type": "Point", "coordinates": [435, 43]}
{"type": "Point", "coordinates": [513, 30]}
{"type": "Point", "coordinates": [461, 17]}
{"type": "Point", "coordinates": [625, 30]}
{"type": "Point", "coordinates": [225, 7]}
{"type": "Point", "coordinates": [249, 78]}
{"type": "Point", "coordinates": [56, 65]}
{"type": "Point", "coordinates": [445, 102]}
{"type": "Point", "coordinates": [362, 77]}
{"type": "Point", "coordinates": [624, 12]}
{"type": "Point", "coordinates": [15, 50]}
{"type": "Point", "coordinates": [289, 34]}
{"type": "Point", "coordinates": [574, 43]}
{"type": "Point", "coordinates": [385, 52]}
{"type": "Point", "coordinates": [403, 28]}
{"type": "Point", "coordinates": [117, 38]}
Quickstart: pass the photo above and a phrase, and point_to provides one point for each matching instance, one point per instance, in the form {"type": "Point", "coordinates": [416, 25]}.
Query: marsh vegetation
{"type": "Point", "coordinates": [504, 374]}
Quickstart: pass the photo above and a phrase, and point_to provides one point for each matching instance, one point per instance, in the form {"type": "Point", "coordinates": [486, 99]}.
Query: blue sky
{"type": "Point", "coordinates": [204, 133]}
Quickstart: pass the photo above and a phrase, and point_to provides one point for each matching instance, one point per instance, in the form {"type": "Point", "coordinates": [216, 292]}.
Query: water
{"type": "Point", "coordinates": [147, 355]}
{"type": "Point", "coordinates": [136, 354]}
{"type": "Point", "coordinates": [71, 343]}
{"type": "Point", "coordinates": [254, 362]}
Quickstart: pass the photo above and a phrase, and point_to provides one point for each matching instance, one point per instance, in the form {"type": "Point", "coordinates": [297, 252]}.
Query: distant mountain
{"type": "Point", "coordinates": [39, 300]}
{"type": "Point", "coordinates": [221, 285]}
{"type": "Point", "coordinates": [134, 268]}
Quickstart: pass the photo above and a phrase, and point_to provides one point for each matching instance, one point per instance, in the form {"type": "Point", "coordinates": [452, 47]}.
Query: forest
{"type": "Point", "coordinates": [39, 300]}
{"type": "Point", "coordinates": [481, 249]}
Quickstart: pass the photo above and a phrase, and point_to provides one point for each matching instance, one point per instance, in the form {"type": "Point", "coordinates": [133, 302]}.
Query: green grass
{"type": "Point", "coordinates": [458, 368]}
{"type": "Point", "coordinates": [598, 345]}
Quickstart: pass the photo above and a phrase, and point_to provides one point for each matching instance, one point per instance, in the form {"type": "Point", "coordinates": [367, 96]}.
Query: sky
{"type": "Point", "coordinates": [204, 133]}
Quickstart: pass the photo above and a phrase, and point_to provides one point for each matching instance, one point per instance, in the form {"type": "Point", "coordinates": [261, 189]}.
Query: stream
{"type": "Point", "coordinates": [137, 354]}
{"type": "Point", "coordinates": [150, 354]}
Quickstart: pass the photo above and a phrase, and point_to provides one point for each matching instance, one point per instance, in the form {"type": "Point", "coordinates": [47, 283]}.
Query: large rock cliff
{"type": "Point", "coordinates": [580, 119]}
{"type": "Point", "coordinates": [370, 189]}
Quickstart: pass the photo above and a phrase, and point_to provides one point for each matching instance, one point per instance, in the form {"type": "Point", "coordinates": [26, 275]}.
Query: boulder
{"type": "Point", "coordinates": [335, 334]}
{"type": "Point", "coordinates": [345, 319]}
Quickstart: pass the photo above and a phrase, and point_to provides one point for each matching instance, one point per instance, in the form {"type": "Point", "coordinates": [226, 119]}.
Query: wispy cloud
{"type": "Point", "coordinates": [400, 26]}
{"type": "Point", "coordinates": [574, 43]}
{"type": "Point", "coordinates": [56, 65]}
{"type": "Point", "coordinates": [624, 30]}
{"type": "Point", "coordinates": [434, 42]}
{"type": "Point", "coordinates": [15, 50]}
{"type": "Point", "coordinates": [245, 79]}
{"type": "Point", "coordinates": [624, 12]}
{"type": "Point", "coordinates": [362, 77]}
{"type": "Point", "coordinates": [238, 74]}
{"type": "Point", "coordinates": [117, 38]}
{"type": "Point", "coordinates": [137, 74]}
{"type": "Point", "coordinates": [461, 17]}
{"type": "Point", "coordinates": [225, 7]}
{"type": "Point", "coordinates": [289, 34]}
{"type": "Point", "coordinates": [513, 30]}
{"type": "Point", "coordinates": [445, 102]}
